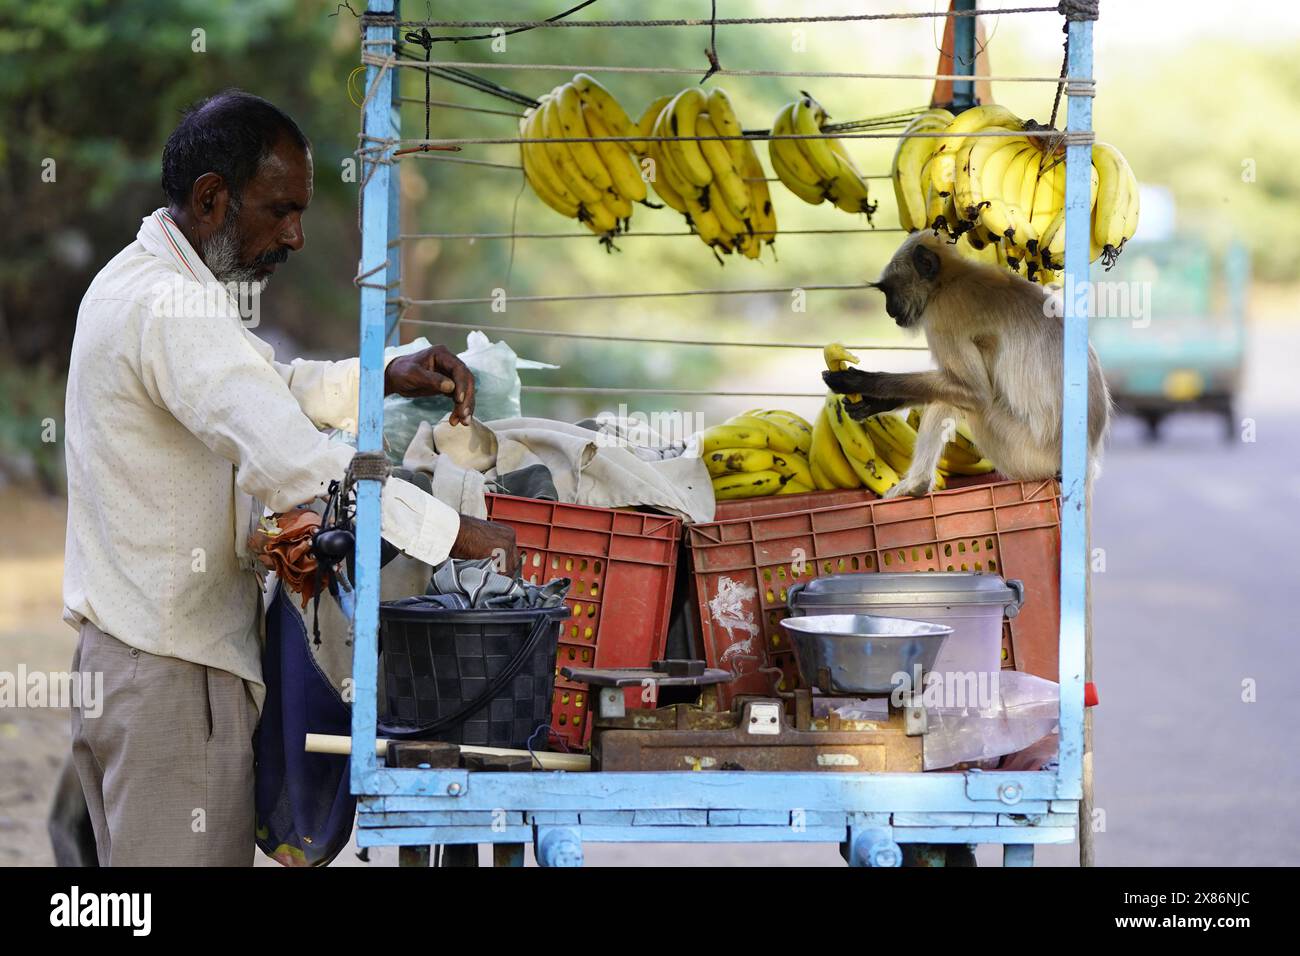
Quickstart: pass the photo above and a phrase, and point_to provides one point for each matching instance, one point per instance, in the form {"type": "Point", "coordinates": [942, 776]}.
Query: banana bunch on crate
{"type": "Point", "coordinates": [718, 184]}
{"type": "Point", "coordinates": [761, 452]}
{"type": "Point", "coordinates": [816, 170]}
{"type": "Point", "coordinates": [1002, 198]}
{"type": "Point", "coordinates": [593, 182]}
{"type": "Point", "coordinates": [875, 453]}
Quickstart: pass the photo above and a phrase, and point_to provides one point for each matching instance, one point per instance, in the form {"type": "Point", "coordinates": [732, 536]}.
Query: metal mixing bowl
{"type": "Point", "coordinates": [861, 653]}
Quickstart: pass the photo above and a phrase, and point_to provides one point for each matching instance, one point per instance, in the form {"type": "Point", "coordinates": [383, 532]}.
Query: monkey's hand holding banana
{"type": "Point", "coordinates": [996, 342]}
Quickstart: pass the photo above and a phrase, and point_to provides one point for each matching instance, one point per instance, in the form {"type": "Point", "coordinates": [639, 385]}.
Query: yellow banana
{"type": "Point", "coordinates": [793, 487]}
{"type": "Point", "coordinates": [568, 106]}
{"type": "Point", "coordinates": [806, 119]}
{"type": "Point", "coordinates": [682, 115]}
{"type": "Point", "coordinates": [943, 169]}
{"type": "Point", "coordinates": [728, 461]}
{"type": "Point", "coordinates": [600, 101]}
{"type": "Point", "coordinates": [852, 436]}
{"type": "Point", "coordinates": [780, 436]}
{"type": "Point", "coordinates": [562, 158]}
{"type": "Point", "coordinates": [794, 467]}
{"type": "Point", "coordinates": [727, 180]}
{"type": "Point", "coordinates": [600, 217]}
{"type": "Point", "coordinates": [646, 124]}
{"type": "Point", "coordinates": [724, 118]}
{"type": "Point", "coordinates": [837, 359]}
{"type": "Point", "coordinates": [764, 213]}
{"type": "Point", "coordinates": [1112, 195]}
{"type": "Point", "coordinates": [981, 160]}
{"type": "Point", "coordinates": [909, 169]}
{"type": "Point", "coordinates": [541, 174]}
{"type": "Point", "coordinates": [891, 431]}
{"type": "Point", "coordinates": [812, 194]}
{"type": "Point", "coordinates": [722, 209]}
{"type": "Point", "coordinates": [731, 436]}
{"type": "Point", "coordinates": [623, 170]}
{"type": "Point", "coordinates": [671, 197]}
{"type": "Point", "coordinates": [749, 485]}
{"type": "Point", "coordinates": [848, 190]}
{"type": "Point", "coordinates": [862, 457]}
{"type": "Point", "coordinates": [827, 457]}
{"type": "Point", "coordinates": [791, 157]}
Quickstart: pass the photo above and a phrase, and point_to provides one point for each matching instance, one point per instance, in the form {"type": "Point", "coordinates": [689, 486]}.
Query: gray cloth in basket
{"type": "Point", "coordinates": [461, 585]}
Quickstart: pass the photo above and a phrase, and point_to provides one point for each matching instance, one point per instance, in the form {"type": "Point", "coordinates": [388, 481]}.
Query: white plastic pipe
{"type": "Point", "coordinates": [338, 744]}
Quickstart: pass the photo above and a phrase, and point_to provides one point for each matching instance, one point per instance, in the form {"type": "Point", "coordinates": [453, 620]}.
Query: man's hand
{"type": "Point", "coordinates": [486, 539]}
{"type": "Point", "coordinates": [435, 371]}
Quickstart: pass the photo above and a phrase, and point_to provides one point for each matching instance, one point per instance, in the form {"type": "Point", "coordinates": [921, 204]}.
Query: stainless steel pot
{"type": "Point", "coordinates": [859, 654]}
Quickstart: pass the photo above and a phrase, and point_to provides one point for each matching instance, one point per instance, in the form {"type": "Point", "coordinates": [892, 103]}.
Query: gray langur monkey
{"type": "Point", "coordinates": [996, 340]}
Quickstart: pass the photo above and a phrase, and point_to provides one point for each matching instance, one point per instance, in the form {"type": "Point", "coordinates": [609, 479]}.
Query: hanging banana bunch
{"type": "Point", "coordinates": [1001, 198]}
{"type": "Point", "coordinates": [718, 184]}
{"type": "Point", "coordinates": [593, 182]}
{"type": "Point", "coordinates": [816, 169]}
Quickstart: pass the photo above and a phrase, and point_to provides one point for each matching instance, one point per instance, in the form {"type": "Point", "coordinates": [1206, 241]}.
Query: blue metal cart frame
{"type": "Point", "coordinates": [868, 814]}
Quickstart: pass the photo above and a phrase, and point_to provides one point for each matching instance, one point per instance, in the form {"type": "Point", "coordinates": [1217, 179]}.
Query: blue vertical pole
{"type": "Point", "coordinates": [394, 271]}
{"type": "Point", "coordinates": [1074, 413]}
{"type": "Point", "coordinates": [963, 57]}
{"type": "Point", "coordinates": [377, 124]}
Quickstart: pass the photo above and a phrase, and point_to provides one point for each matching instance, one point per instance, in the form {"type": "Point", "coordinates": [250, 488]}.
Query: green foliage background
{"type": "Point", "coordinates": [96, 85]}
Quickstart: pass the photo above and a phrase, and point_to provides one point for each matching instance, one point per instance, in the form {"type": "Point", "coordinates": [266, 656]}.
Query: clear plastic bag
{"type": "Point", "coordinates": [496, 392]}
{"type": "Point", "coordinates": [1026, 711]}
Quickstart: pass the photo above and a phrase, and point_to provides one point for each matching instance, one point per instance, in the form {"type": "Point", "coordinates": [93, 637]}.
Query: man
{"type": "Point", "coordinates": [178, 417]}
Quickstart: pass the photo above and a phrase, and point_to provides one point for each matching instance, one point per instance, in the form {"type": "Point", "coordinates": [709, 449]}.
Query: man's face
{"type": "Point", "coordinates": [265, 225]}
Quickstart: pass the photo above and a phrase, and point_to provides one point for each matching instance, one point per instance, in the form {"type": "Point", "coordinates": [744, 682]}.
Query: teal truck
{"type": "Point", "coordinates": [1176, 342]}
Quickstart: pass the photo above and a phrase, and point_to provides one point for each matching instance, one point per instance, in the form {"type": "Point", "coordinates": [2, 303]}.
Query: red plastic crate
{"type": "Point", "coordinates": [746, 559]}
{"type": "Point", "coordinates": [621, 564]}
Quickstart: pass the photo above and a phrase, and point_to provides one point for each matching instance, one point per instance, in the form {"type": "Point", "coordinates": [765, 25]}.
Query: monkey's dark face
{"type": "Point", "coordinates": [908, 280]}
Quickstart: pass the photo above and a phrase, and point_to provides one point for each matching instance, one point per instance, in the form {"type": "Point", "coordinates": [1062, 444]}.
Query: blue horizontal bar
{"type": "Point", "coordinates": [429, 836]}
{"type": "Point", "coordinates": [722, 790]}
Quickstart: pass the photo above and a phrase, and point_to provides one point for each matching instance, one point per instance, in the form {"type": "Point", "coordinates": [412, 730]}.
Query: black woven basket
{"type": "Point", "coordinates": [480, 677]}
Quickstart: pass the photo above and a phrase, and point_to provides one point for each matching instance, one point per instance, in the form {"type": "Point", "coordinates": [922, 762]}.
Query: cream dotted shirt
{"type": "Point", "coordinates": [177, 417]}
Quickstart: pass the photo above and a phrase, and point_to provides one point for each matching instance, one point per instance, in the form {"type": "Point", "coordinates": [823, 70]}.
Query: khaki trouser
{"type": "Point", "coordinates": [167, 766]}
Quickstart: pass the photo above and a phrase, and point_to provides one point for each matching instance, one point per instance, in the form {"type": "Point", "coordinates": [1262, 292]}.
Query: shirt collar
{"type": "Point", "coordinates": [160, 235]}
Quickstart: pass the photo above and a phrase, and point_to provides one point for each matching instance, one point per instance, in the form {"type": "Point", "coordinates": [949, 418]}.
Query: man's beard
{"type": "Point", "coordinates": [221, 256]}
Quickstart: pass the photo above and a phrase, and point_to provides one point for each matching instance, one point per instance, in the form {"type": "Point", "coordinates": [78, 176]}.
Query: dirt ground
{"type": "Point", "coordinates": [33, 741]}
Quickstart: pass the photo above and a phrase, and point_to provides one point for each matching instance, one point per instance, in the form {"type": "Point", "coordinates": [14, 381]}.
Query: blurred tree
{"type": "Point", "coordinates": [89, 91]}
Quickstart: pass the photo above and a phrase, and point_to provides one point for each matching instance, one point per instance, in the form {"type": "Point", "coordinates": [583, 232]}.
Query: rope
{"type": "Point", "coordinates": [626, 235]}
{"type": "Point", "coordinates": [518, 29]}
{"type": "Point", "coordinates": [712, 51]}
{"type": "Point", "coordinates": [470, 162]}
{"type": "Point", "coordinates": [576, 390]}
{"type": "Point", "coordinates": [680, 70]}
{"type": "Point", "coordinates": [359, 279]}
{"type": "Point", "coordinates": [600, 337]}
{"type": "Point", "coordinates": [518, 140]}
{"type": "Point", "coordinates": [1079, 9]}
{"type": "Point", "coordinates": [727, 22]}
{"type": "Point", "coordinates": [368, 466]}
{"type": "Point", "coordinates": [458, 106]}
{"type": "Point", "coordinates": [600, 296]}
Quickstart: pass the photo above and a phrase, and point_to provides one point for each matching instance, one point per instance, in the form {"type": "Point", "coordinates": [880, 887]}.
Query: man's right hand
{"type": "Point", "coordinates": [486, 539]}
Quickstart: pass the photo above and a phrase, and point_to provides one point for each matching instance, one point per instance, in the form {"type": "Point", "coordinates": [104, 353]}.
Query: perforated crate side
{"type": "Point", "coordinates": [622, 565]}
{"type": "Point", "coordinates": [743, 567]}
